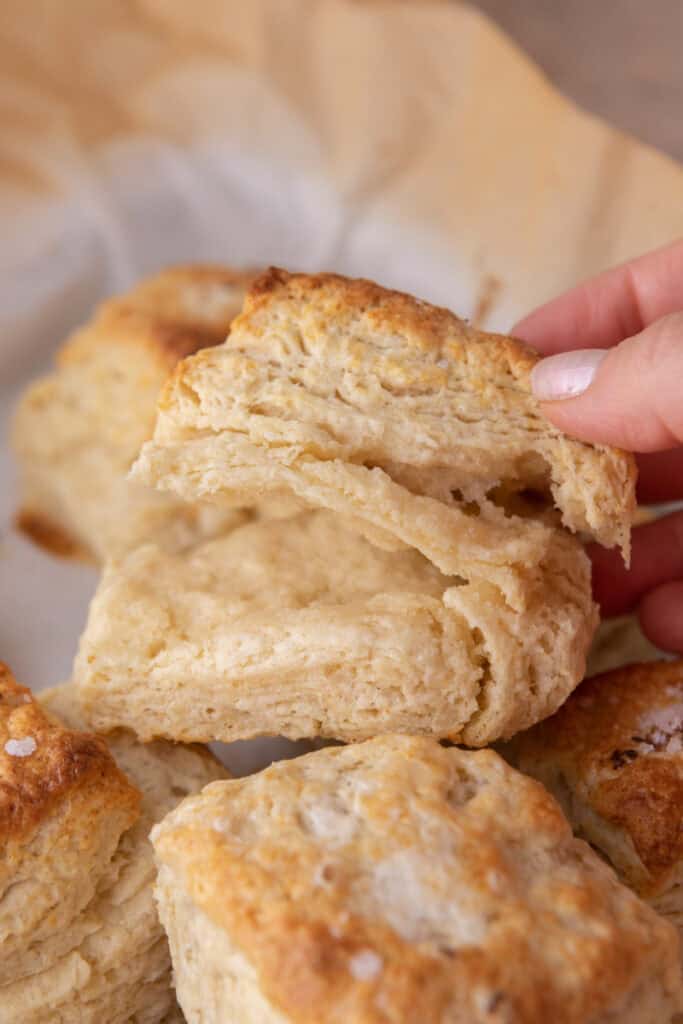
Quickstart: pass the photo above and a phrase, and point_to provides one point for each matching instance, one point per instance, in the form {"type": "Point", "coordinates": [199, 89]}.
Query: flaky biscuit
{"type": "Point", "coordinates": [112, 962]}
{"type": "Point", "coordinates": [302, 628]}
{"type": "Point", "coordinates": [64, 805]}
{"type": "Point", "coordinates": [396, 880]}
{"type": "Point", "coordinates": [392, 412]}
{"type": "Point", "coordinates": [77, 431]}
{"type": "Point", "coordinates": [613, 756]}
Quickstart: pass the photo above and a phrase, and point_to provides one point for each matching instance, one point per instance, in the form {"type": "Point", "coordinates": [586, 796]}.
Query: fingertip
{"type": "Point", "coordinates": [661, 616]}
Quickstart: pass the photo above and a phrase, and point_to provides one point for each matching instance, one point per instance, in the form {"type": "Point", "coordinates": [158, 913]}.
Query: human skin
{"type": "Point", "coordinates": [613, 374]}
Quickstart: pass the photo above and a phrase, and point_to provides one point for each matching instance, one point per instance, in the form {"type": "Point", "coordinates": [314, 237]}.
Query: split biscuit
{"type": "Point", "coordinates": [393, 413]}
{"type": "Point", "coordinates": [396, 880]}
{"type": "Point", "coordinates": [302, 628]}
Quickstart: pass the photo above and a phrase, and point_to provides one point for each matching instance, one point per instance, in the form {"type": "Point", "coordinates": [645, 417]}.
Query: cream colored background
{"type": "Point", "coordinates": [409, 142]}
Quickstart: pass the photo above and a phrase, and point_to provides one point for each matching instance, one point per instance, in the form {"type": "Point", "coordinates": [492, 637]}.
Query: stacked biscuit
{"type": "Point", "coordinates": [409, 570]}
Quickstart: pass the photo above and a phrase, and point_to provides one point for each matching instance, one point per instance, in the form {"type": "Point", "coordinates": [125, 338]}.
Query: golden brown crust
{"type": "Point", "coordinates": [617, 744]}
{"type": "Point", "coordinates": [388, 881]}
{"type": "Point", "coordinates": [423, 325]}
{"type": "Point", "coordinates": [78, 430]}
{"type": "Point", "coordinates": [156, 315]}
{"type": "Point", "coordinates": [51, 536]}
{"type": "Point", "coordinates": [51, 762]}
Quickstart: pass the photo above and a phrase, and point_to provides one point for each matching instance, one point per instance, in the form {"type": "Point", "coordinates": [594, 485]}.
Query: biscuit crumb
{"type": "Point", "coordinates": [21, 748]}
{"type": "Point", "coordinates": [366, 965]}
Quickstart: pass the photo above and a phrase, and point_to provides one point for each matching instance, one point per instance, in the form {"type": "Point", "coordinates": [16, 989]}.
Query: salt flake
{"type": "Point", "coordinates": [21, 748]}
{"type": "Point", "coordinates": [366, 965]}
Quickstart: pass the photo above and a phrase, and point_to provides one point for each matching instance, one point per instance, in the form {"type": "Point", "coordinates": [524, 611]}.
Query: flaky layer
{"type": "Point", "coordinates": [390, 881]}
{"type": "Point", "coordinates": [302, 628]}
{"type": "Point", "coordinates": [78, 430]}
{"type": "Point", "coordinates": [381, 407]}
{"type": "Point", "coordinates": [112, 963]}
{"type": "Point", "coordinates": [64, 805]}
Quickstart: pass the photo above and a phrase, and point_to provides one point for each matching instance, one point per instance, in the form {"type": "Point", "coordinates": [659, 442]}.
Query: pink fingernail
{"type": "Point", "coordinates": [566, 375]}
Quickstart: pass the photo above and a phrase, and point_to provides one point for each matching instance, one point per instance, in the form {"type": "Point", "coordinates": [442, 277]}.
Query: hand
{"type": "Point", "coordinates": [615, 376]}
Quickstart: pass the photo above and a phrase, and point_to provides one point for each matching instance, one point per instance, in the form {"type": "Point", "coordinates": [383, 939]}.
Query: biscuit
{"type": "Point", "coordinates": [77, 431]}
{"type": "Point", "coordinates": [302, 628]}
{"type": "Point", "coordinates": [64, 805]}
{"type": "Point", "coordinates": [613, 757]}
{"type": "Point", "coordinates": [396, 880]}
{"type": "Point", "coordinates": [112, 962]}
{"type": "Point", "coordinates": [391, 412]}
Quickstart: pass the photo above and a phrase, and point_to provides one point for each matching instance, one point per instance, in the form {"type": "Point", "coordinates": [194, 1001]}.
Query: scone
{"type": "Point", "coordinates": [64, 805]}
{"type": "Point", "coordinates": [77, 431]}
{"type": "Point", "coordinates": [302, 628]}
{"type": "Point", "coordinates": [110, 962]}
{"type": "Point", "coordinates": [396, 880]}
{"type": "Point", "coordinates": [613, 757]}
{"type": "Point", "coordinates": [395, 414]}
{"type": "Point", "coordinates": [423, 434]}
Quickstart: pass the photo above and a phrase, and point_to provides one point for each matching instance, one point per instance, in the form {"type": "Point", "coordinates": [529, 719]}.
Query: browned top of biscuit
{"type": "Point", "coordinates": [171, 314]}
{"type": "Point", "coordinates": [618, 745]}
{"type": "Point", "coordinates": [322, 371]}
{"type": "Point", "coordinates": [394, 874]}
{"type": "Point", "coordinates": [422, 326]}
{"type": "Point", "coordinates": [41, 763]}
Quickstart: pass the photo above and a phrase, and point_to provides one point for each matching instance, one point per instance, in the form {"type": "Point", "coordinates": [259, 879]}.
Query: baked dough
{"type": "Point", "coordinates": [77, 431]}
{"type": "Point", "coordinates": [111, 962]}
{"type": "Point", "coordinates": [393, 413]}
{"type": "Point", "coordinates": [64, 805]}
{"type": "Point", "coordinates": [302, 628]}
{"type": "Point", "coordinates": [396, 880]}
{"type": "Point", "coordinates": [613, 757]}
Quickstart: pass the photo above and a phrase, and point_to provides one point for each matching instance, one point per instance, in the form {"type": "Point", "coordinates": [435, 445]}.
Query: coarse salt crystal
{"type": "Point", "coordinates": [21, 748]}
{"type": "Point", "coordinates": [366, 965]}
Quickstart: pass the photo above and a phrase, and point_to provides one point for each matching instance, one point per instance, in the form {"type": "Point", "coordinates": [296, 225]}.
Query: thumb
{"type": "Point", "coordinates": [630, 396]}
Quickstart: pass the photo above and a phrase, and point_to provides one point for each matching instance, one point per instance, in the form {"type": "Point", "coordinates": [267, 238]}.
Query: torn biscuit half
{"type": "Point", "coordinates": [301, 627]}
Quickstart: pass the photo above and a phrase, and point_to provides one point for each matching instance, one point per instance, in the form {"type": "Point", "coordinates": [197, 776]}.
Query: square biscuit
{"type": "Point", "coordinates": [111, 962]}
{"type": "Point", "coordinates": [396, 880]}
{"type": "Point", "coordinates": [64, 805]}
{"type": "Point", "coordinates": [613, 757]}
{"type": "Point", "coordinates": [393, 413]}
{"type": "Point", "coordinates": [78, 430]}
{"type": "Point", "coordinates": [302, 628]}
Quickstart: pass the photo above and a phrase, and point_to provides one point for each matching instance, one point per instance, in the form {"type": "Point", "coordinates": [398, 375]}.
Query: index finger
{"type": "Point", "coordinates": [610, 307]}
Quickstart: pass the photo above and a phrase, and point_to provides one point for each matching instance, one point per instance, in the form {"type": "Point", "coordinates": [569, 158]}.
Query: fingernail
{"type": "Point", "coordinates": [566, 375]}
